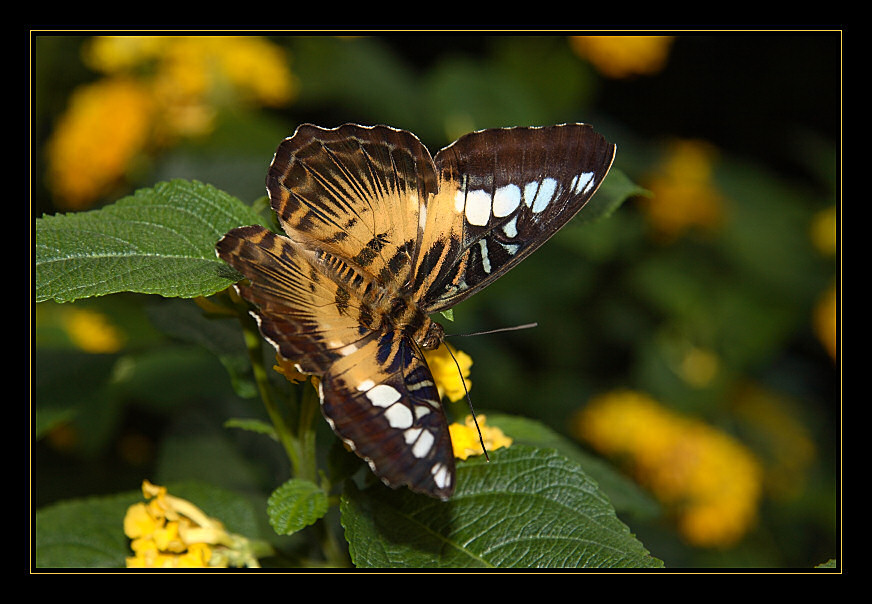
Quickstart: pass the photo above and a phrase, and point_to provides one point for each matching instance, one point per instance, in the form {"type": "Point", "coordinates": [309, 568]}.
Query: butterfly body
{"type": "Point", "coordinates": [380, 235]}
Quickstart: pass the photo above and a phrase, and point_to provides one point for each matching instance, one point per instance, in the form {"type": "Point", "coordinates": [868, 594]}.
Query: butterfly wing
{"type": "Point", "coordinates": [502, 194]}
{"type": "Point", "coordinates": [382, 401]}
{"type": "Point", "coordinates": [306, 315]}
{"type": "Point", "coordinates": [348, 199]}
{"type": "Point", "coordinates": [356, 192]}
{"type": "Point", "coordinates": [376, 389]}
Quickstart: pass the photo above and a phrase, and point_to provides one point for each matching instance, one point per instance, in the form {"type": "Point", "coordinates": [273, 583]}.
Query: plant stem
{"type": "Point", "coordinates": [285, 434]}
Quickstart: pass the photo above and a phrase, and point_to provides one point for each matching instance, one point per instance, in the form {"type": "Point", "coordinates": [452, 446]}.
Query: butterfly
{"type": "Point", "coordinates": [379, 236]}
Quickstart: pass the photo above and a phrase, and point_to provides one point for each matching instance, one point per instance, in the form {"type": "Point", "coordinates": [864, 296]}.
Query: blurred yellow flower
{"type": "Point", "coordinates": [710, 481]}
{"type": "Point", "coordinates": [170, 532]}
{"type": "Point", "coordinates": [448, 379]}
{"type": "Point", "coordinates": [684, 192]}
{"type": "Point", "coordinates": [91, 331]}
{"type": "Point", "coordinates": [465, 441]}
{"type": "Point", "coordinates": [823, 231]}
{"type": "Point", "coordinates": [784, 443]}
{"type": "Point", "coordinates": [826, 321]}
{"type": "Point", "coordinates": [249, 66]}
{"type": "Point", "coordinates": [156, 90]}
{"type": "Point", "coordinates": [624, 56]}
{"type": "Point", "coordinates": [106, 125]}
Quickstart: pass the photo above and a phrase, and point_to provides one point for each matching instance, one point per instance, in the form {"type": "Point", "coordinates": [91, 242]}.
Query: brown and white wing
{"type": "Point", "coordinates": [382, 401]}
{"type": "Point", "coordinates": [502, 194]}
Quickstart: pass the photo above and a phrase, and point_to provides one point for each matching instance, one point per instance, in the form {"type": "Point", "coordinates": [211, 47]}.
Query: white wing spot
{"type": "Point", "coordinates": [365, 385]}
{"type": "Point", "coordinates": [582, 182]}
{"type": "Point", "coordinates": [506, 200]}
{"type": "Point", "coordinates": [544, 195]}
{"type": "Point", "coordinates": [399, 416]}
{"type": "Point", "coordinates": [440, 475]}
{"type": "Point", "coordinates": [530, 192]}
{"type": "Point", "coordinates": [511, 248]}
{"type": "Point", "coordinates": [383, 395]}
{"type": "Point", "coordinates": [411, 435]}
{"type": "Point", "coordinates": [511, 227]}
{"type": "Point", "coordinates": [347, 350]}
{"type": "Point", "coordinates": [478, 207]}
{"type": "Point", "coordinates": [485, 261]}
{"type": "Point", "coordinates": [419, 385]}
{"type": "Point", "coordinates": [459, 201]}
{"type": "Point", "coordinates": [423, 444]}
{"type": "Point", "coordinates": [421, 411]}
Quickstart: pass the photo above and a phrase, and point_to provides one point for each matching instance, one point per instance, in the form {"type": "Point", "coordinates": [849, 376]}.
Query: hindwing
{"type": "Point", "coordinates": [382, 401]}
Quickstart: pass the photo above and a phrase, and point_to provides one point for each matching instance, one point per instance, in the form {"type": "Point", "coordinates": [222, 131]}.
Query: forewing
{"type": "Point", "coordinates": [502, 194]}
{"type": "Point", "coordinates": [382, 401]}
{"type": "Point", "coordinates": [356, 192]}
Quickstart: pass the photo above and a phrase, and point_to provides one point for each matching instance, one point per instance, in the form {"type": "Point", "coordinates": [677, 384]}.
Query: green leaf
{"type": "Point", "coordinates": [625, 495]}
{"type": "Point", "coordinates": [156, 241]}
{"type": "Point", "coordinates": [615, 189]}
{"type": "Point", "coordinates": [295, 505]}
{"type": "Point", "coordinates": [252, 425]}
{"type": "Point", "coordinates": [85, 533]}
{"type": "Point", "coordinates": [527, 508]}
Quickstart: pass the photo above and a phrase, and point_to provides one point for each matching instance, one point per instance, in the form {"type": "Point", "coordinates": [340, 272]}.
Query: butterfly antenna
{"type": "Point", "coordinates": [501, 329]}
{"type": "Point", "coordinates": [469, 401]}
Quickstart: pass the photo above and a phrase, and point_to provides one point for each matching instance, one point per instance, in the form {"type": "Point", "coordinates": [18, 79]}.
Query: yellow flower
{"type": "Point", "coordinates": [624, 56]}
{"type": "Point", "coordinates": [465, 441]}
{"type": "Point", "coordinates": [710, 481]}
{"type": "Point", "coordinates": [156, 90]}
{"type": "Point", "coordinates": [170, 532]}
{"type": "Point", "coordinates": [826, 321]}
{"type": "Point", "coordinates": [219, 67]}
{"type": "Point", "coordinates": [106, 125]}
{"type": "Point", "coordinates": [823, 231]}
{"type": "Point", "coordinates": [91, 331]}
{"type": "Point", "coordinates": [448, 379]}
{"type": "Point", "coordinates": [684, 192]}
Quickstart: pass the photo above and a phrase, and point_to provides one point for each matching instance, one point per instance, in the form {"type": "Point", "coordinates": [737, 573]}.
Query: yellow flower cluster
{"type": "Point", "coordinates": [624, 56]}
{"type": "Point", "coordinates": [448, 379]}
{"type": "Point", "coordinates": [465, 441]}
{"type": "Point", "coordinates": [684, 192]}
{"type": "Point", "coordinates": [155, 90]}
{"type": "Point", "coordinates": [710, 481]}
{"type": "Point", "coordinates": [170, 532]}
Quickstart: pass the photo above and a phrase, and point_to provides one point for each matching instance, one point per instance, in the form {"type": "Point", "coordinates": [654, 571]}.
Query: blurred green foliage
{"type": "Point", "coordinates": [615, 305]}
